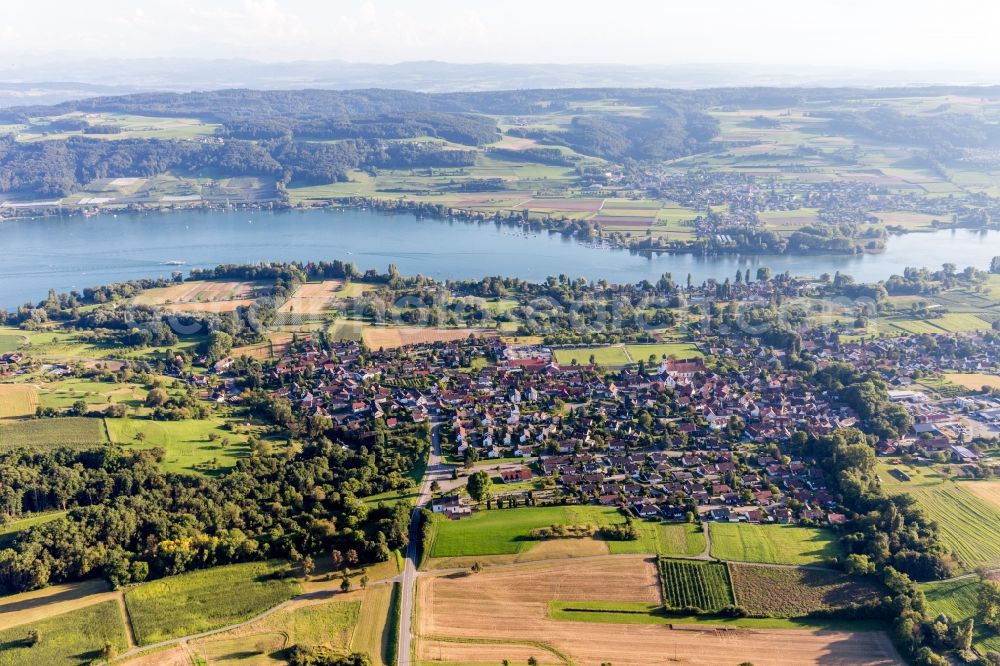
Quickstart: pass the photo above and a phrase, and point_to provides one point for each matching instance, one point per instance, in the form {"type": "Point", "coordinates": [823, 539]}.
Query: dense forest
{"type": "Point", "coordinates": [56, 168]}
{"type": "Point", "coordinates": [129, 521]}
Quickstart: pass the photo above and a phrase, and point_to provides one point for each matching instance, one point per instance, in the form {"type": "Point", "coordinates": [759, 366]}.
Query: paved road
{"type": "Point", "coordinates": [436, 471]}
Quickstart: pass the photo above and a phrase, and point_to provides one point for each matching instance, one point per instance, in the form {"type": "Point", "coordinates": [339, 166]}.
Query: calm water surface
{"type": "Point", "coordinates": [76, 252]}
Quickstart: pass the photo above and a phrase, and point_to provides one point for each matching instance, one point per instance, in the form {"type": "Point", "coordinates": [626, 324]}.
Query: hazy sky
{"type": "Point", "coordinates": [876, 34]}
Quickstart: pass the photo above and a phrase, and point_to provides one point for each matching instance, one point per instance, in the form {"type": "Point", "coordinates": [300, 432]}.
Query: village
{"type": "Point", "coordinates": [684, 440]}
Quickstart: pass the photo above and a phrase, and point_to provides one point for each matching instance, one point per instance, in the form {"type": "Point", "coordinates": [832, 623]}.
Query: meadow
{"type": "Point", "coordinates": [70, 639]}
{"type": "Point", "coordinates": [203, 600]}
{"type": "Point", "coordinates": [43, 434]}
{"type": "Point", "coordinates": [693, 584]}
{"type": "Point", "coordinates": [793, 591]}
{"type": "Point", "coordinates": [958, 599]}
{"type": "Point", "coordinates": [622, 355]}
{"type": "Point", "coordinates": [773, 544]}
{"type": "Point", "coordinates": [187, 443]}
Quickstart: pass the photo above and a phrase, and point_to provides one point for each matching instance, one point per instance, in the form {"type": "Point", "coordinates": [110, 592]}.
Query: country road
{"type": "Point", "coordinates": [436, 471]}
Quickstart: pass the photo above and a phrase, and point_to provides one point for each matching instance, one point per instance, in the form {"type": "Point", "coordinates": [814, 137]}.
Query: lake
{"type": "Point", "coordinates": [76, 252]}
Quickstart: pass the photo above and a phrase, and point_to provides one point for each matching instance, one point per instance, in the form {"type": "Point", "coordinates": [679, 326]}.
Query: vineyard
{"type": "Point", "coordinates": [688, 583]}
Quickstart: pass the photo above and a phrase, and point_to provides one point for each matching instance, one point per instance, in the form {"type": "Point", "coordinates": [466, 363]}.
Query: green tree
{"type": "Point", "coordinates": [480, 486]}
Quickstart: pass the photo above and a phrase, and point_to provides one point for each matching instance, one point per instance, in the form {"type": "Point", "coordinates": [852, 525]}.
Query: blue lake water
{"type": "Point", "coordinates": [76, 252]}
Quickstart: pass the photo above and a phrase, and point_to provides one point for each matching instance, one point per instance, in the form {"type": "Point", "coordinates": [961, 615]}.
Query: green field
{"type": "Point", "coordinates": [11, 342]}
{"type": "Point", "coordinates": [97, 395]}
{"type": "Point", "coordinates": [9, 530]}
{"type": "Point", "coordinates": [622, 355]}
{"type": "Point", "coordinates": [43, 434]}
{"type": "Point", "coordinates": [203, 600]}
{"type": "Point", "coordinates": [793, 591]}
{"type": "Point", "coordinates": [187, 444]}
{"type": "Point", "coordinates": [773, 544]}
{"type": "Point", "coordinates": [958, 599]}
{"type": "Point", "coordinates": [662, 539]}
{"type": "Point", "coordinates": [693, 584]}
{"type": "Point", "coordinates": [968, 525]}
{"type": "Point", "coordinates": [73, 638]}
{"type": "Point", "coordinates": [329, 625]}
{"type": "Point", "coordinates": [508, 531]}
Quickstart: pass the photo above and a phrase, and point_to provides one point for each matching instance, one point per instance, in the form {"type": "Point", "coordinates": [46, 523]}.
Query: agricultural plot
{"type": "Point", "coordinates": [662, 539]}
{"type": "Point", "coordinates": [312, 298]}
{"type": "Point", "coordinates": [498, 613]}
{"type": "Point", "coordinates": [967, 524]}
{"type": "Point", "coordinates": [71, 639]}
{"type": "Point", "coordinates": [508, 531]}
{"type": "Point", "coordinates": [11, 342]}
{"type": "Point", "coordinates": [203, 600]}
{"type": "Point", "coordinates": [17, 400]}
{"type": "Point", "coordinates": [391, 337]}
{"type": "Point", "coordinates": [326, 625]}
{"type": "Point", "coordinates": [44, 434]}
{"type": "Point", "coordinates": [692, 584]}
{"type": "Point", "coordinates": [790, 591]}
{"type": "Point", "coordinates": [773, 544]}
{"type": "Point", "coordinates": [973, 381]}
{"type": "Point", "coordinates": [989, 491]}
{"type": "Point", "coordinates": [201, 296]}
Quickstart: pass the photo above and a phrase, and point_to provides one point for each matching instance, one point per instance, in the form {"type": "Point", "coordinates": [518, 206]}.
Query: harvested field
{"type": "Point", "coordinates": [278, 343]}
{"type": "Point", "coordinates": [17, 400]}
{"type": "Point", "coordinates": [642, 220]}
{"type": "Point", "coordinates": [455, 652]}
{"type": "Point", "coordinates": [501, 612]}
{"type": "Point", "coordinates": [988, 491]}
{"type": "Point", "coordinates": [974, 381]}
{"type": "Point", "coordinates": [576, 205]}
{"type": "Point", "coordinates": [35, 606]}
{"type": "Point", "coordinates": [400, 336]}
{"type": "Point", "coordinates": [312, 298]}
{"type": "Point", "coordinates": [200, 296]}
{"type": "Point", "coordinates": [787, 591]}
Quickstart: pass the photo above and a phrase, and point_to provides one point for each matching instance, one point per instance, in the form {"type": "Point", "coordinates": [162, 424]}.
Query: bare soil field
{"type": "Point", "coordinates": [17, 400]}
{"type": "Point", "coordinates": [175, 656]}
{"type": "Point", "coordinates": [400, 336]}
{"type": "Point", "coordinates": [445, 652]}
{"type": "Point", "coordinates": [505, 610]}
{"type": "Point", "coordinates": [312, 298]}
{"type": "Point", "coordinates": [207, 296]}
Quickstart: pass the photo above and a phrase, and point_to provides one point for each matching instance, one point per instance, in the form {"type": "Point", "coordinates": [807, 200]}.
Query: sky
{"type": "Point", "coordinates": [869, 34]}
